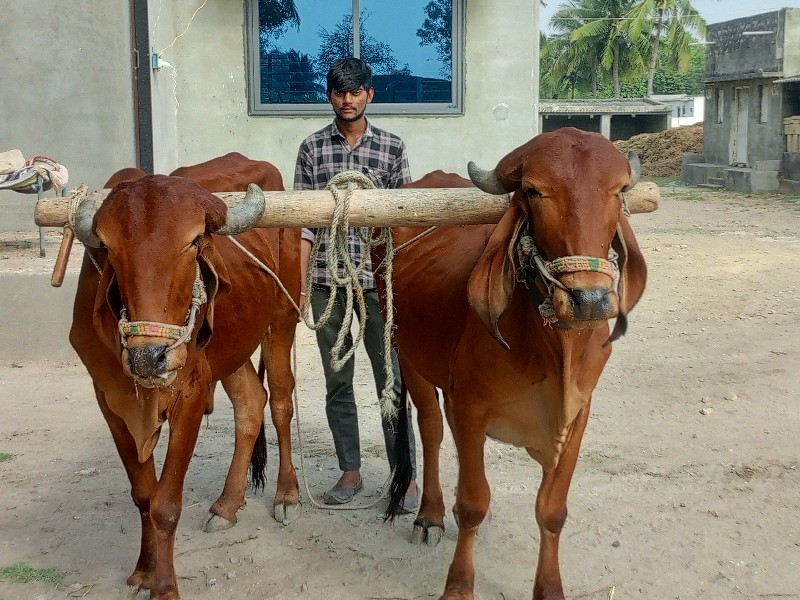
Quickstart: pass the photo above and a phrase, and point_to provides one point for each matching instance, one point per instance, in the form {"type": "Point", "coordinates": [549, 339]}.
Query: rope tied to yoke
{"type": "Point", "coordinates": [337, 251]}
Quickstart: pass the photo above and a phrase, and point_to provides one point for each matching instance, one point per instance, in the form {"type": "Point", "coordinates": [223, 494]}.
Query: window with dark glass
{"type": "Point", "coordinates": [413, 48]}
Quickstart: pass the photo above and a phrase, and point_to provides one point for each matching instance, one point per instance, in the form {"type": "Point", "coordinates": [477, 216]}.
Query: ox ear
{"type": "Point", "coordinates": [492, 281]}
{"type": "Point", "coordinates": [632, 275]}
{"type": "Point", "coordinates": [215, 278]}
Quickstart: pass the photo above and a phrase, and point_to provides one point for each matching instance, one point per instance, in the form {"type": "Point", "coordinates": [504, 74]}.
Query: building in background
{"type": "Point", "coordinates": [752, 93]}
{"type": "Point", "coordinates": [686, 109]}
{"type": "Point", "coordinates": [616, 119]}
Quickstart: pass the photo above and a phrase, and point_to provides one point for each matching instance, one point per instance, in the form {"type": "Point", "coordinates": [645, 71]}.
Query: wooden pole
{"type": "Point", "coordinates": [368, 208]}
{"type": "Point", "coordinates": [63, 257]}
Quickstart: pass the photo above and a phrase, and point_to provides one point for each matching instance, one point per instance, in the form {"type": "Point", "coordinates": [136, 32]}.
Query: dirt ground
{"type": "Point", "coordinates": [687, 486]}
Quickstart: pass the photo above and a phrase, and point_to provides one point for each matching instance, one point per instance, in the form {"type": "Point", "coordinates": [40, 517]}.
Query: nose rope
{"type": "Point", "coordinates": [530, 256]}
{"type": "Point", "coordinates": [180, 333]}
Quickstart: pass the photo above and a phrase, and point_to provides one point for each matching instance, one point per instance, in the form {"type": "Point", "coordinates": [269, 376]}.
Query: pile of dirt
{"type": "Point", "coordinates": [661, 153]}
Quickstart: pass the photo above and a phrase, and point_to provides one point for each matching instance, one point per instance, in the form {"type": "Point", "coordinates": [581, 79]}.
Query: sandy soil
{"type": "Point", "coordinates": [687, 486]}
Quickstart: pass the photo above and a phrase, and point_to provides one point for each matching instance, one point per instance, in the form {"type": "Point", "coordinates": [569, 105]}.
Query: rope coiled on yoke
{"type": "Point", "coordinates": [337, 250]}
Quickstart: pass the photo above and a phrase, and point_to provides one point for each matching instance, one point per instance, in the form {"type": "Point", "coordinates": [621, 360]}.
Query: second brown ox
{"type": "Point", "coordinates": [162, 281]}
{"type": "Point", "coordinates": [510, 321]}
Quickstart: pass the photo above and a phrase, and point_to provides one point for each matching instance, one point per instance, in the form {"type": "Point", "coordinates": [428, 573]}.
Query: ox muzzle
{"type": "Point", "coordinates": [580, 290]}
{"type": "Point", "coordinates": [153, 352]}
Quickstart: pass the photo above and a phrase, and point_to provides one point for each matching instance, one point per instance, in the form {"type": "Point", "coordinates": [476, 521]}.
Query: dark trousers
{"type": "Point", "coordinates": [340, 403]}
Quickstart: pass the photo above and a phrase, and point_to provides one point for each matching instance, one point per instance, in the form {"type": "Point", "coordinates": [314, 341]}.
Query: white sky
{"type": "Point", "coordinates": [714, 11]}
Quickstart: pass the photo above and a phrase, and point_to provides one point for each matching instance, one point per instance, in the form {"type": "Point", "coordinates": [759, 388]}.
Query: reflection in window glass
{"type": "Point", "coordinates": [407, 44]}
{"type": "Point", "coordinates": [293, 47]}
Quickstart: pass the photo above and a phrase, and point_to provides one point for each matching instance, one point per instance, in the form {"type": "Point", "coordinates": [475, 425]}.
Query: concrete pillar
{"type": "Point", "coordinates": [605, 125]}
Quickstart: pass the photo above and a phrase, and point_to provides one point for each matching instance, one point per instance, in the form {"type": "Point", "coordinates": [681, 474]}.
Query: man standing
{"type": "Point", "coordinates": [351, 143]}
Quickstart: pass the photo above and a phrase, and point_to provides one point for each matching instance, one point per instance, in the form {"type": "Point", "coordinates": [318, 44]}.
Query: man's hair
{"type": "Point", "coordinates": [349, 74]}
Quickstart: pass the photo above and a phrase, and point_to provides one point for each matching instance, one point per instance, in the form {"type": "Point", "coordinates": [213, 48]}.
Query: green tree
{"type": "Point", "coordinates": [600, 29]}
{"type": "Point", "coordinates": [576, 61]}
{"type": "Point", "coordinates": [674, 21]}
{"type": "Point", "coordinates": [338, 43]}
{"type": "Point", "coordinates": [437, 31]}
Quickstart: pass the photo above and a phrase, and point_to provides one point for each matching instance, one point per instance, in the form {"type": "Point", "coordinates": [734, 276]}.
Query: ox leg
{"type": "Point", "coordinates": [551, 512]}
{"type": "Point", "coordinates": [277, 353]}
{"type": "Point", "coordinates": [472, 501]}
{"type": "Point", "coordinates": [248, 398]}
{"type": "Point", "coordinates": [143, 485]}
{"type": "Point", "coordinates": [166, 504]}
{"type": "Point", "coordinates": [429, 524]}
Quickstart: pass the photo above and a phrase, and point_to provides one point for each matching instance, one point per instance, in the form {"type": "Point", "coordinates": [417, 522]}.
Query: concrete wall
{"type": "Point", "coordinates": [65, 85]}
{"type": "Point", "coordinates": [791, 42]}
{"type": "Point", "coordinates": [764, 140]}
{"type": "Point", "coordinates": [200, 105]}
{"type": "Point", "coordinates": [731, 53]}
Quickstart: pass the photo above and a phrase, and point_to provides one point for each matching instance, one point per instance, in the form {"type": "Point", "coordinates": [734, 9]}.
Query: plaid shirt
{"type": "Point", "coordinates": [378, 154]}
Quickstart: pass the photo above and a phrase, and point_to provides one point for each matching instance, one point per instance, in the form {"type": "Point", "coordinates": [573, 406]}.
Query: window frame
{"type": "Point", "coordinates": [439, 109]}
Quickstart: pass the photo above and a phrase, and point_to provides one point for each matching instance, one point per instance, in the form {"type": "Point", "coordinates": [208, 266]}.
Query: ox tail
{"type": "Point", "coordinates": [258, 460]}
{"type": "Point", "coordinates": [402, 458]}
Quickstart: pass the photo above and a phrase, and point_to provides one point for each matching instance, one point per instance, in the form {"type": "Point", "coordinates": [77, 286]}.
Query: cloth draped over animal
{"type": "Point", "coordinates": [22, 175]}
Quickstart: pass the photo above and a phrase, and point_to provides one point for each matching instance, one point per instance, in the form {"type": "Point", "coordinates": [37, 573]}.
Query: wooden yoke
{"type": "Point", "coordinates": [368, 208]}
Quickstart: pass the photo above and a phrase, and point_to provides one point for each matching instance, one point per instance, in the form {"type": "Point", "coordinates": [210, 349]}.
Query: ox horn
{"type": "Point", "coordinates": [84, 217]}
{"type": "Point", "coordinates": [246, 214]}
{"type": "Point", "coordinates": [636, 169]}
{"type": "Point", "coordinates": [485, 180]}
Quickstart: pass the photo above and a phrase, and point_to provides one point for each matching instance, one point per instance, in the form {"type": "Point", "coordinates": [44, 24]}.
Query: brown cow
{"type": "Point", "coordinates": [155, 244]}
{"type": "Point", "coordinates": [510, 321]}
{"type": "Point", "coordinates": [126, 174]}
{"type": "Point", "coordinates": [232, 172]}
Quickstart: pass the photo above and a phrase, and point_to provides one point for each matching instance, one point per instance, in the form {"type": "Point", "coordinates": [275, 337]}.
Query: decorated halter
{"type": "Point", "coordinates": [181, 334]}
{"type": "Point", "coordinates": [532, 262]}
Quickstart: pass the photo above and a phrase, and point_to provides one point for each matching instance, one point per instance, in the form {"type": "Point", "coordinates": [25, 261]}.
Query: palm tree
{"type": "Point", "coordinates": [674, 20]}
{"type": "Point", "coordinates": [573, 61]}
{"type": "Point", "coordinates": [602, 30]}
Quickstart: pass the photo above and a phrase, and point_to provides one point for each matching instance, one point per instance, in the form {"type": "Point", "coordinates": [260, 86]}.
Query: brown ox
{"type": "Point", "coordinates": [468, 322]}
{"type": "Point", "coordinates": [154, 241]}
{"type": "Point", "coordinates": [232, 172]}
{"type": "Point", "coordinates": [126, 174]}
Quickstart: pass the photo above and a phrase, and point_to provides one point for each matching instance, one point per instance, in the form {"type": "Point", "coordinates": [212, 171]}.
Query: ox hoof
{"type": "Point", "coordinates": [426, 532]}
{"type": "Point", "coordinates": [286, 512]}
{"type": "Point", "coordinates": [217, 523]}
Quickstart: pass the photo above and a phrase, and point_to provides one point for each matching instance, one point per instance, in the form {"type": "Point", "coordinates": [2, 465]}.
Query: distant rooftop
{"type": "Point", "coordinates": [671, 97]}
{"type": "Point", "coordinates": [588, 106]}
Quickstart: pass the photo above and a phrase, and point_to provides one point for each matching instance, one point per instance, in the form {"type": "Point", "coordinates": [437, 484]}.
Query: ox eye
{"type": "Point", "coordinates": [533, 193]}
{"type": "Point", "coordinates": [197, 241]}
